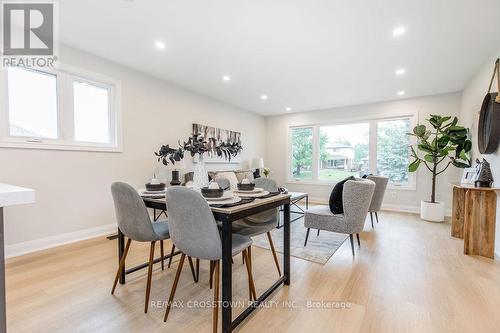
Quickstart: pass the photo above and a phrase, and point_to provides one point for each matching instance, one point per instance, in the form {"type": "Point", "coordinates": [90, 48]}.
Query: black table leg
{"type": "Point", "coordinates": [227, 279]}
{"type": "Point", "coordinates": [286, 243]}
{"type": "Point", "coordinates": [307, 202]}
{"type": "Point", "coordinates": [121, 249]}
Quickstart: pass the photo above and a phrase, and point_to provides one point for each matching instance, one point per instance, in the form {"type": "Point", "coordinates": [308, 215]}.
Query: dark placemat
{"type": "Point", "coordinates": [242, 202]}
{"type": "Point", "coordinates": [271, 194]}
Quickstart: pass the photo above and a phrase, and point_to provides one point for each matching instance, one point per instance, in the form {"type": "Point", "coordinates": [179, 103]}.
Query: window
{"type": "Point", "coordinates": [329, 153]}
{"type": "Point", "coordinates": [344, 151]}
{"type": "Point", "coordinates": [91, 104]}
{"type": "Point", "coordinates": [302, 153]}
{"type": "Point", "coordinates": [32, 98]}
{"type": "Point", "coordinates": [63, 109]}
{"type": "Point", "coordinates": [392, 150]}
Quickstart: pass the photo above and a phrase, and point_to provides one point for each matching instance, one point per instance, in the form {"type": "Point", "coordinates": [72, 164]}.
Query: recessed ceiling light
{"type": "Point", "coordinates": [400, 71]}
{"type": "Point", "coordinates": [288, 109]}
{"type": "Point", "coordinates": [226, 78]}
{"type": "Point", "coordinates": [399, 31]}
{"type": "Point", "coordinates": [263, 97]}
{"type": "Point", "coordinates": [401, 93]}
{"type": "Point", "coordinates": [160, 45]}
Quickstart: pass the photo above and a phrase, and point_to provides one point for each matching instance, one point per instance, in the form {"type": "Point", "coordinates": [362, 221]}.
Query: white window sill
{"type": "Point", "coordinates": [71, 146]}
{"type": "Point", "coordinates": [333, 183]}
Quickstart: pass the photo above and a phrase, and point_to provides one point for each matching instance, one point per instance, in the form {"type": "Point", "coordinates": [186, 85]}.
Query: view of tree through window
{"type": "Point", "coordinates": [373, 146]}
{"type": "Point", "coordinates": [344, 151]}
{"type": "Point", "coordinates": [302, 144]}
{"type": "Point", "coordinates": [392, 149]}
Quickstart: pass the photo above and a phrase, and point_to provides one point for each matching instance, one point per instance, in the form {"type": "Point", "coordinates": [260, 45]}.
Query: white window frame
{"type": "Point", "coordinates": [411, 185]}
{"type": "Point", "coordinates": [65, 76]}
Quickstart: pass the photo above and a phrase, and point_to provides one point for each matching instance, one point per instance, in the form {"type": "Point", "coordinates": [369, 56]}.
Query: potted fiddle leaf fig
{"type": "Point", "coordinates": [442, 144]}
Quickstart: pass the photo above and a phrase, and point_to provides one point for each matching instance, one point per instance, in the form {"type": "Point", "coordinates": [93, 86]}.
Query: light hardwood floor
{"type": "Point", "coordinates": [408, 276]}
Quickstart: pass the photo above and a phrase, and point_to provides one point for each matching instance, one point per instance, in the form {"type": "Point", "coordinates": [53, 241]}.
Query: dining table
{"type": "Point", "coordinates": [227, 215]}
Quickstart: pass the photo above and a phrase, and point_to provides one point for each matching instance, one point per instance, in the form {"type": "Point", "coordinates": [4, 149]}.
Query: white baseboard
{"type": "Point", "coordinates": [18, 249]}
{"type": "Point", "coordinates": [388, 207]}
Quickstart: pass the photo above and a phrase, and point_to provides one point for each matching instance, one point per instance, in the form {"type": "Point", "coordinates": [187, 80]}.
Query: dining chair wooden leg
{"type": "Point", "coordinates": [273, 250]}
{"type": "Point", "coordinates": [162, 255]}
{"type": "Point", "coordinates": [174, 286]}
{"type": "Point", "coordinates": [212, 267]}
{"type": "Point", "coordinates": [249, 256]}
{"type": "Point", "coordinates": [121, 265]}
{"type": "Point", "coordinates": [250, 295]}
{"type": "Point", "coordinates": [242, 258]}
{"type": "Point", "coordinates": [171, 256]}
{"type": "Point", "coordinates": [371, 218]}
{"type": "Point", "coordinates": [357, 236]}
{"type": "Point", "coordinates": [192, 269]}
{"type": "Point", "coordinates": [251, 285]}
{"type": "Point", "coordinates": [150, 273]}
{"type": "Point", "coordinates": [215, 314]}
{"type": "Point", "coordinates": [307, 236]}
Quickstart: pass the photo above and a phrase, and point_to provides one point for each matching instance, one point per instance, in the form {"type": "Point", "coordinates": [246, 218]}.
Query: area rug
{"type": "Point", "coordinates": [319, 249]}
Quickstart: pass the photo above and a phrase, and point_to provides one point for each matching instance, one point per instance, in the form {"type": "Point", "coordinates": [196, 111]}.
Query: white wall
{"type": "Point", "coordinates": [277, 126]}
{"type": "Point", "coordinates": [73, 196]}
{"type": "Point", "coordinates": [472, 98]}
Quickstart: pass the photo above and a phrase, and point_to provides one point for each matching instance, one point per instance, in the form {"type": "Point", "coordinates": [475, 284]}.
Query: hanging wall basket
{"type": "Point", "coordinates": [489, 118]}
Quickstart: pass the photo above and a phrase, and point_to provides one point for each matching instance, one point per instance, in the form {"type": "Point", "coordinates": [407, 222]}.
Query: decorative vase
{"type": "Point", "coordinates": [432, 212]}
{"type": "Point", "coordinates": [200, 174]}
{"type": "Point", "coordinates": [175, 178]}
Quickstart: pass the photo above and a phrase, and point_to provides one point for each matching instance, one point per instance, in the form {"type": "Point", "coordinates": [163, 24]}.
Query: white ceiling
{"type": "Point", "coordinates": [303, 54]}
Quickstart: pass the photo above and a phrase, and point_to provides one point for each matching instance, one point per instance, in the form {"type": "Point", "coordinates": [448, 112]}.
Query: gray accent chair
{"type": "Point", "coordinates": [378, 196]}
{"type": "Point", "coordinates": [261, 223]}
{"type": "Point", "coordinates": [194, 232]}
{"type": "Point", "coordinates": [223, 183]}
{"type": "Point", "coordinates": [357, 196]}
{"type": "Point", "coordinates": [135, 223]}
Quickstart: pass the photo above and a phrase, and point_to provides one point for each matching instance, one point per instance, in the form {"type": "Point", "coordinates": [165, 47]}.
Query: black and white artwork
{"type": "Point", "coordinates": [220, 135]}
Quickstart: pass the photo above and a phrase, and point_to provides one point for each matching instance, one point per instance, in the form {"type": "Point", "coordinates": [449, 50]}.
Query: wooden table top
{"type": "Point", "coordinates": [472, 187]}
{"type": "Point", "coordinates": [231, 210]}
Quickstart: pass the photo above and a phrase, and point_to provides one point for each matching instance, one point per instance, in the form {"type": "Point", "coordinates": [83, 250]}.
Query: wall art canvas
{"type": "Point", "coordinates": [220, 135]}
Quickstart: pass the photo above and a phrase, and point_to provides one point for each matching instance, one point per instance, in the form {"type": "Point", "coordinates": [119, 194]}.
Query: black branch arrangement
{"type": "Point", "coordinates": [198, 145]}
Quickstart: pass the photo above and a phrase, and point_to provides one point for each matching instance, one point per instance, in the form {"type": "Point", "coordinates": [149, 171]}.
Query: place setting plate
{"type": "Point", "coordinates": [255, 190]}
{"type": "Point", "coordinates": [224, 200]}
{"type": "Point", "coordinates": [247, 194]}
{"type": "Point", "coordinates": [151, 194]}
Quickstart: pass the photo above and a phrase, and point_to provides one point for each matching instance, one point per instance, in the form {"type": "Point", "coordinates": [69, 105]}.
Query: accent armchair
{"type": "Point", "coordinates": [378, 195]}
{"type": "Point", "coordinates": [357, 196]}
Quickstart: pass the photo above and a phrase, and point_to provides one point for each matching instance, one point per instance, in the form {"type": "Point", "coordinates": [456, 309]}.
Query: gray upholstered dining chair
{"type": "Point", "coordinates": [378, 195]}
{"type": "Point", "coordinates": [194, 232]}
{"type": "Point", "coordinates": [356, 196]}
{"type": "Point", "coordinates": [261, 223]}
{"type": "Point", "coordinates": [135, 223]}
{"type": "Point", "coordinates": [223, 183]}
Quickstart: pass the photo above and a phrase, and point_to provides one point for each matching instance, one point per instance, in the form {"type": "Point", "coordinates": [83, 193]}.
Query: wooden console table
{"type": "Point", "coordinates": [474, 218]}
